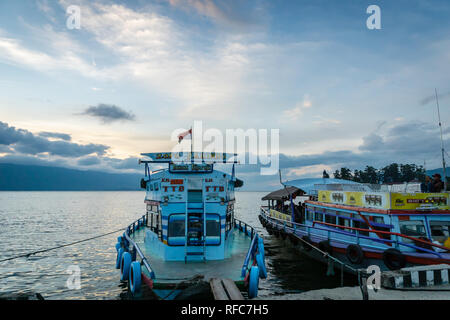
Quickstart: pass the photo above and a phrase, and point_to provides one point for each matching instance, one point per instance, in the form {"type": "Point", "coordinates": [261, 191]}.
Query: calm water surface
{"type": "Point", "coordinates": [31, 221]}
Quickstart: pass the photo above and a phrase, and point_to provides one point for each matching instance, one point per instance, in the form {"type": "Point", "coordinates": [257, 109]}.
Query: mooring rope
{"type": "Point", "coordinates": [26, 255]}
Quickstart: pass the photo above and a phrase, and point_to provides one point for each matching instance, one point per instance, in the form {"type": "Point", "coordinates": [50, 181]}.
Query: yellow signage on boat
{"type": "Point", "coordinates": [411, 201]}
{"type": "Point", "coordinates": [278, 215]}
{"type": "Point", "coordinates": [377, 200]}
{"type": "Point", "coordinates": [354, 198]}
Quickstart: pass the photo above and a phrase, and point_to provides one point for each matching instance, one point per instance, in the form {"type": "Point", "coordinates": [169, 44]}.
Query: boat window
{"type": "Point", "coordinates": [378, 220]}
{"type": "Point", "coordinates": [176, 232]}
{"type": "Point", "coordinates": [310, 214]}
{"type": "Point", "coordinates": [440, 230]}
{"type": "Point", "coordinates": [343, 221]}
{"type": "Point", "coordinates": [330, 219]}
{"type": "Point", "coordinates": [362, 225]}
{"type": "Point", "coordinates": [213, 229]}
{"type": "Point", "coordinates": [318, 216]}
{"type": "Point", "coordinates": [414, 229]}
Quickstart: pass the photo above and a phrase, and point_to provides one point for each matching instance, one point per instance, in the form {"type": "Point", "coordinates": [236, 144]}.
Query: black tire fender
{"type": "Point", "coordinates": [394, 259]}
{"type": "Point", "coordinates": [354, 254]}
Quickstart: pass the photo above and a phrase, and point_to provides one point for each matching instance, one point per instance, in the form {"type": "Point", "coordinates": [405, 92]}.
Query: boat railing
{"type": "Point", "coordinates": [253, 249]}
{"type": "Point", "coordinates": [389, 240]}
{"type": "Point", "coordinates": [359, 236]}
{"type": "Point", "coordinates": [244, 227]}
{"type": "Point", "coordinates": [308, 228]}
{"type": "Point", "coordinates": [136, 225]}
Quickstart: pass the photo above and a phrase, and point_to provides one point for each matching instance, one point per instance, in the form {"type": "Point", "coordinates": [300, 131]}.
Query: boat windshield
{"type": "Point", "coordinates": [440, 230]}
{"type": "Point", "coordinates": [414, 229]}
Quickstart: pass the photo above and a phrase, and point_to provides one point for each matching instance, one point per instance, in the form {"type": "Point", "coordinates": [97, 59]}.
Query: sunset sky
{"type": "Point", "coordinates": [341, 94]}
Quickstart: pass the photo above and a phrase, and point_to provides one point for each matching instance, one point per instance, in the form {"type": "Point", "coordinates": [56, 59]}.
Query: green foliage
{"type": "Point", "coordinates": [392, 173]}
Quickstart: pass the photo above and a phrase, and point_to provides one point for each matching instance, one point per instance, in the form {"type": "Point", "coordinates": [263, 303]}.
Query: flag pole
{"type": "Point", "coordinates": [442, 142]}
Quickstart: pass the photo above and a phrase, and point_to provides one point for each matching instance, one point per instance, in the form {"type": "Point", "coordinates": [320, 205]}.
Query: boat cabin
{"type": "Point", "coordinates": [190, 206]}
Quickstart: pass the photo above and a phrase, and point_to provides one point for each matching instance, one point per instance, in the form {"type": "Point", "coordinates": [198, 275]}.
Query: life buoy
{"type": "Point", "coordinates": [325, 246]}
{"type": "Point", "coordinates": [394, 259]}
{"type": "Point", "coordinates": [261, 265]}
{"type": "Point", "coordinates": [354, 254]}
{"type": "Point", "coordinates": [135, 277]}
{"type": "Point", "coordinates": [125, 266]}
{"type": "Point", "coordinates": [119, 257]}
{"type": "Point", "coordinates": [306, 243]}
{"type": "Point", "coordinates": [253, 282]}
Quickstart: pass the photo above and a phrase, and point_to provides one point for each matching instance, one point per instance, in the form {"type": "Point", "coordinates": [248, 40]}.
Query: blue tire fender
{"type": "Point", "coordinates": [119, 258]}
{"type": "Point", "coordinates": [125, 266]}
{"type": "Point", "coordinates": [253, 282]}
{"type": "Point", "coordinates": [261, 266]}
{"type": "Point", "coordinates": [135, 277]}
{"type": "Point", "coordinates": [118, 246]}
{"type": "Point", "coordinates": [261, 247]}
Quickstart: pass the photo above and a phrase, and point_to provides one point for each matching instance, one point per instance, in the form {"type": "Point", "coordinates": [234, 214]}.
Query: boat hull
{"type": "Point", "coordinates": [338, 250]}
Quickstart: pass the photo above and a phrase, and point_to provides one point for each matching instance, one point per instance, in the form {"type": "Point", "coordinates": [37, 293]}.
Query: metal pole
{"type": "Point", "coordinates": [442, 142]}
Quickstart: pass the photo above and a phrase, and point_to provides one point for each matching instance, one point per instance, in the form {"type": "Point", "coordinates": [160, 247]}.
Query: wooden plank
{"type": "Point", "coordinates": [232, 290]}
{"type": "Point", "coordinates": [217, 289]}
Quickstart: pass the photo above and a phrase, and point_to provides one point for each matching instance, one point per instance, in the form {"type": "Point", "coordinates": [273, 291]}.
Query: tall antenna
{"type": "Point", "coordinates": [442, 141]}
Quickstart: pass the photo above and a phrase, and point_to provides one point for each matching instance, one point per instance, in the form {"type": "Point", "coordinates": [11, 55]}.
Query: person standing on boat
{"type": "Point", "coordinates": [427, 186]}
{"type": "Point", "coordinates": [438, 184]}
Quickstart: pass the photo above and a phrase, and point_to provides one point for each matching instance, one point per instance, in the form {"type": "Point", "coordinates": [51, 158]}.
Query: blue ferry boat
{"type": "Point", "coordinates": [189, 228]}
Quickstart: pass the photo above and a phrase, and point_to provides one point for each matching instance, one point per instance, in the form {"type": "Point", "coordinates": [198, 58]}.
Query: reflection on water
{"type": "Point", "coordinates": [31, 221]}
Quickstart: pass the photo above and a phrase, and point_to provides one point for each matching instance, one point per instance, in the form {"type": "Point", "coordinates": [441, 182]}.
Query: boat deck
{"type": "Point", "coordinates": [175, 271]}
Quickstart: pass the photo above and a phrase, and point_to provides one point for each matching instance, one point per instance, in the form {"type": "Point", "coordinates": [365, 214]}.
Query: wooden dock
{"type": "Point", "coordinates": [225, 289]}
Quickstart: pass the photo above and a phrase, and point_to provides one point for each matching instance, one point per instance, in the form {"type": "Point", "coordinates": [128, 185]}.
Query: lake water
{"type": "Point", "coordinates": [31, 221]}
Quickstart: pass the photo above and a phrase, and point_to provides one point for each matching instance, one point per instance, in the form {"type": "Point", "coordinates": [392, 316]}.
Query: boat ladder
{"type": "Point", "coordinates": [195, 231]}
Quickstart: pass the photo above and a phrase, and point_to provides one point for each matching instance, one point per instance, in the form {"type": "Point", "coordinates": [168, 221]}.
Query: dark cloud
{"type": "Point", "coordinates": [56, 135]}
{"type": "Point", "coordinates": [25, 142]}
{"type": "Point", "coordinates": [33, 160]}
{"type": "Point", "coordinates": [431, 98]}
{"type": "Point", "coordinates": [416, 140]}
{"type": "Point", "coordinates": [109, 113]}
{"type": "Point", "coordinates": [125, 164]}
{"type": "Point", "coordinates": [89, 161]}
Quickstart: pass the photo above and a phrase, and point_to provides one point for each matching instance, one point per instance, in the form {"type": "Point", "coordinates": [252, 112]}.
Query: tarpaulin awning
{"type": "Point", "coordinates": [283, 194]}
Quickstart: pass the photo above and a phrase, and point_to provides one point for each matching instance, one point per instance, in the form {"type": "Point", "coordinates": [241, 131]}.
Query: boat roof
{"type": "Point", "coordinates": [284, 194]}
{"type": "Point", "coordinates": [183, 157]}
{"type": "Point", "coordinates": [312, 185]}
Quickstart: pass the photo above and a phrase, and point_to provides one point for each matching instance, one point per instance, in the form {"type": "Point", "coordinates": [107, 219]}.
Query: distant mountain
{"type": "Point", "coordinates": [438, 170]}
{"type": "Point", "coordinates": [39, 178]}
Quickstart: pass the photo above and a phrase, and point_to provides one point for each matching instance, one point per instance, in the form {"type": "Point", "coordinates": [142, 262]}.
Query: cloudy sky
{"type": "Point", "coordinates": [341, 94]}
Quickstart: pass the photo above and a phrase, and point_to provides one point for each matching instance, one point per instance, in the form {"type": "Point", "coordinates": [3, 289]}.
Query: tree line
{"type": "Point", "coordinates": [393, 173]}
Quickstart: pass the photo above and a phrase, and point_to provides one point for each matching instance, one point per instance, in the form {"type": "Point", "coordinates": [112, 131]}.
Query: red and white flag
{"type": "Point", "coordinates": [184, 134]}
